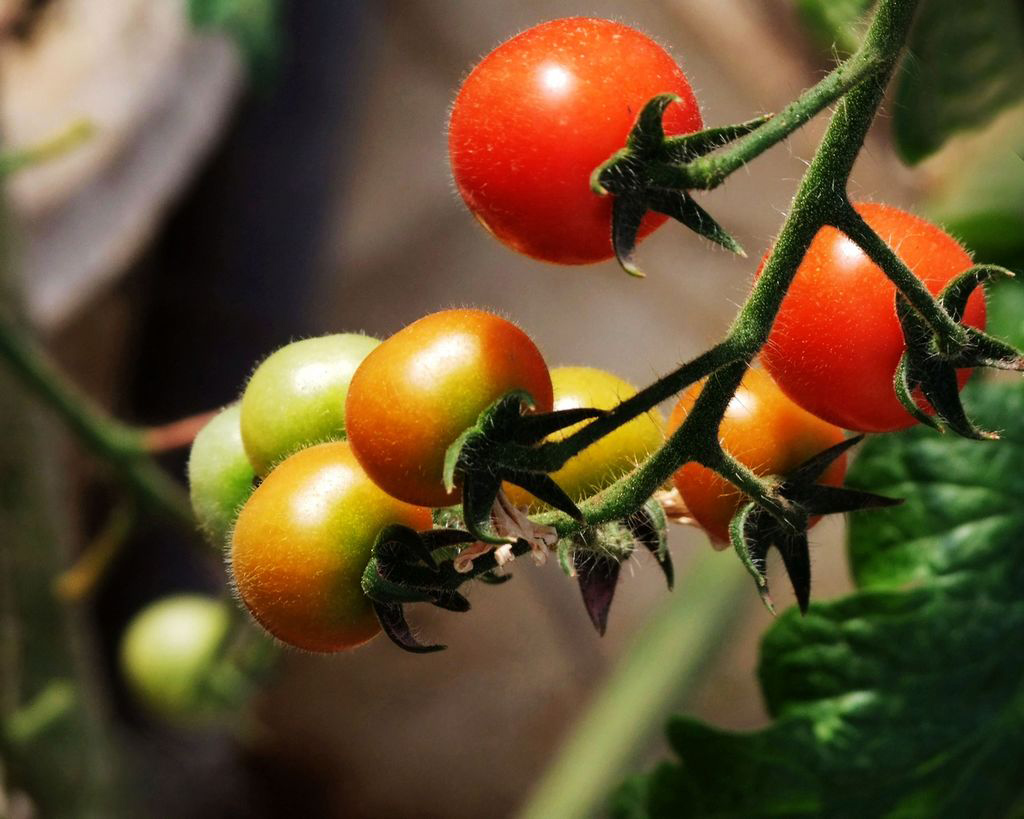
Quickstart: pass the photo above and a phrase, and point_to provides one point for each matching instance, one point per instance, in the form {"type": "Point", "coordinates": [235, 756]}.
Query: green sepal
{"type": "Point", "coordinates": [492, 579]}
{"type": "Point", "coordinates": [753, 530]}
{"type": "Point", "coordinates": [685, 147]}
{"type": "Point", "coordinates": [393, 623]}
{"type": "Point", "coordinates": [684, 209]}
{"type": "Point", "coordinates": [650, 528]}
{"type": "Point", "coordinates": [534, 428]}
{"type": "Point", "coordinates": [924, 367]}
{"type": "Point", "coordinates": [397, 541]}
{"type": "Point", "coordinates": [954, 295]}
{"type": "Point", "coordinates": [628, 211]}
{"type": "Point", "coordinates": [754, 562]}
{"type": "Point", "coordinates": [932, 368]}
{"type": "Point", "coordinates": [649, 175]}
{"type": "Point", "coordinates": [648, 134]}
{"type": "Point", "coordinates": [565, 550]}
{"type": "Point", "coordinates": [905, 395]}
{"type": "Point", "coordinates": [479, 491]}
{"type": "Point", "coordinates": [544, 489]}
{"type": "Point", "coordinates": [382, 589]}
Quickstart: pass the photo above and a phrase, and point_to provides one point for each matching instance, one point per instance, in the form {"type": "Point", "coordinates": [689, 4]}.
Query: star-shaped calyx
{"type": "Point", "coordinates": [649, 174]}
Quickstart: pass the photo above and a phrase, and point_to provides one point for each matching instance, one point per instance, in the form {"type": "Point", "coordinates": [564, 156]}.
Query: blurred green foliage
{"type": "Point", "coordinates": [253, 24]}
{"type": "Point", "coordinates": [903, 699]}
{"type": "Point", "coordinates": [964, 64]}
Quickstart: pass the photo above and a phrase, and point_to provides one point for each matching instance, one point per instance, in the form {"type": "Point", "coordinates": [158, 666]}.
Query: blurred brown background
{"type": "Point", "coordinates": [205, 225]}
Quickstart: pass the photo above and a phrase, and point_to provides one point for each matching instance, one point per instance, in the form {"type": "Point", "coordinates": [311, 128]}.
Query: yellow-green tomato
{"type": "Point", "coordinates": [219, 475]}
{"type": "Point", "coordinates": [296, 397]}
{"type": "Point", "coordinates": [302, 541]}
{"type": "Point", "coordinates": [169, 651]}
{"type": "Point", "coordinates": [609, 458]}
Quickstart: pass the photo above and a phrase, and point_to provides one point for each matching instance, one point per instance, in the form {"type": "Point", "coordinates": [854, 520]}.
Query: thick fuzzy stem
{"type": "Point", "coordinates": [820, 200]}
{"type": "Point", "coordinates": [121, 446]}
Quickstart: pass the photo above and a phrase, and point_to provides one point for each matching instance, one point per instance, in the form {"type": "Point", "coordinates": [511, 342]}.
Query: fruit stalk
{"type": "Point", "coordinates": [821, 200]}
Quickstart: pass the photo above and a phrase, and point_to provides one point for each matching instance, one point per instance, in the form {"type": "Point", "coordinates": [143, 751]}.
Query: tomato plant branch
{"type": "Point", "coordinates": [873, 61]}
{"type": "Point", "coordinates": [820, 200]}
{"type": "Point", "coordinates": [708, 172]}
{"type": "Point", "coordinates": [119, 445]}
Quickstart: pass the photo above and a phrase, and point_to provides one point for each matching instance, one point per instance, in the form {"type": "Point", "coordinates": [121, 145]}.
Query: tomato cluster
{"type": "Point", "coordinates": [345, 436]}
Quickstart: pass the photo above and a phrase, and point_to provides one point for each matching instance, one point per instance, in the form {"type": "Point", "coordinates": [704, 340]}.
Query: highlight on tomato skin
{"type": "Point", "coordinates": [416, 393]}
{"type": "Point", "coordinates": [302, 541]}
{"type": "Point", "coordinates": [539, 113]}
{"type": "Point", "coordinates": [836, 342]}
{"type": "Point", "coordinates": [765, 431]}
{"type": "Point", "coordinates": [296, 396]}
{"type": "Point", "coordinates": [612, 456]}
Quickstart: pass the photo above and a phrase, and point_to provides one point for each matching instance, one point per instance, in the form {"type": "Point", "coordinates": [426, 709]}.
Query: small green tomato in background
{"type": "Point", "coordinates": [219, 475]}
{"type": "Point", "coordinates": [608, 459]}
{"type": "Point", "coordinates": [168, 654]}
{"type": "Point", "coordinates": [297, 396]}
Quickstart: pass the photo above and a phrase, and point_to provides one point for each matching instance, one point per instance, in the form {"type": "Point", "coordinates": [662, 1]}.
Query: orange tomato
{"type": "Point", "coordinates": [765, 431]}
{"type": "Point", "coordinates": [302, 541]}
{"type": "Point", "coordinates": [423, 387]}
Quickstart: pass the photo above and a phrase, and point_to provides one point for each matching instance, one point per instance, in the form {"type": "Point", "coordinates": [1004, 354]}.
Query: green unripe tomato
{"type": "Point", "coordinates": [169, 651]}
{"type": "Point", "coordinates": [296, 397]}
{"type": "Point", "coordinates": [219, 475]}
{"type": "Point", "coordinates": [613, 456]}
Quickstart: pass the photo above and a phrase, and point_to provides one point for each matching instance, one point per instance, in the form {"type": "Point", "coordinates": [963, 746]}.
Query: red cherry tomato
{"type": "Point", "coordinates": [302, 541]}
{"type": "Point", "coordinates": [539, 113]}
{"type": "Point", "coordinates": [419, 390]}
{"type": "Point", "coordinates": [763, 430]}
{"type": "Point", "coordinates": [836, 342]}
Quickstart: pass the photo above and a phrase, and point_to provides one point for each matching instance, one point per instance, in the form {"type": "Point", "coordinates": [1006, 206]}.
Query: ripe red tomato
{"type": "Point", "coordinates": [302, 541]}
{"type": "Point", "coordinates": [763, 430]}
{"type": "Point", "coordinates": [419, 390]}
{"type": "Point", "coordinates": [837, 341]}
{"type": "Point", "coordinates": [539, 113]}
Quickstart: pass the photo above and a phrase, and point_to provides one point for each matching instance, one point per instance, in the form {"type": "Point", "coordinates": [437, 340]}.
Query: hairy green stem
{"type": "Point", "coordinates": [913, 289]}
{"type": "Point", "coordinates": [119, 445]}
{"type": "Point", "coordinates": [708, 172]}
{"type": "Point", "coordinates": [820, 200]}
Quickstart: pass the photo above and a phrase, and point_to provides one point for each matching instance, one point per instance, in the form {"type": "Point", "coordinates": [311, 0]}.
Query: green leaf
{"type": "Point", "coordinates": [964, 65]}
{"type": "Point", "coordinates": [963, 497]}
{"type": "Point", "coordinates": [1006, 311]}
{"type": "Point", "coordinates": [254, 25]}
{"type": "Point", "coordinates": [906, 698]}
{"type": "Point", "coordinates": [979, 195]}
{"type": "Point", "coordinates": [838, 23]}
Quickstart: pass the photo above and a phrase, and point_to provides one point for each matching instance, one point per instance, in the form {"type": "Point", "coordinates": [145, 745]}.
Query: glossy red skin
{"type": "Point", "coordinates": [539, 113]}
{"type": "Point", "coordinates": [423, 387]}
{"type": "Point", "coordinates": [765, 431]}
{"type": "Point", "coordinates": [836, 342]}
